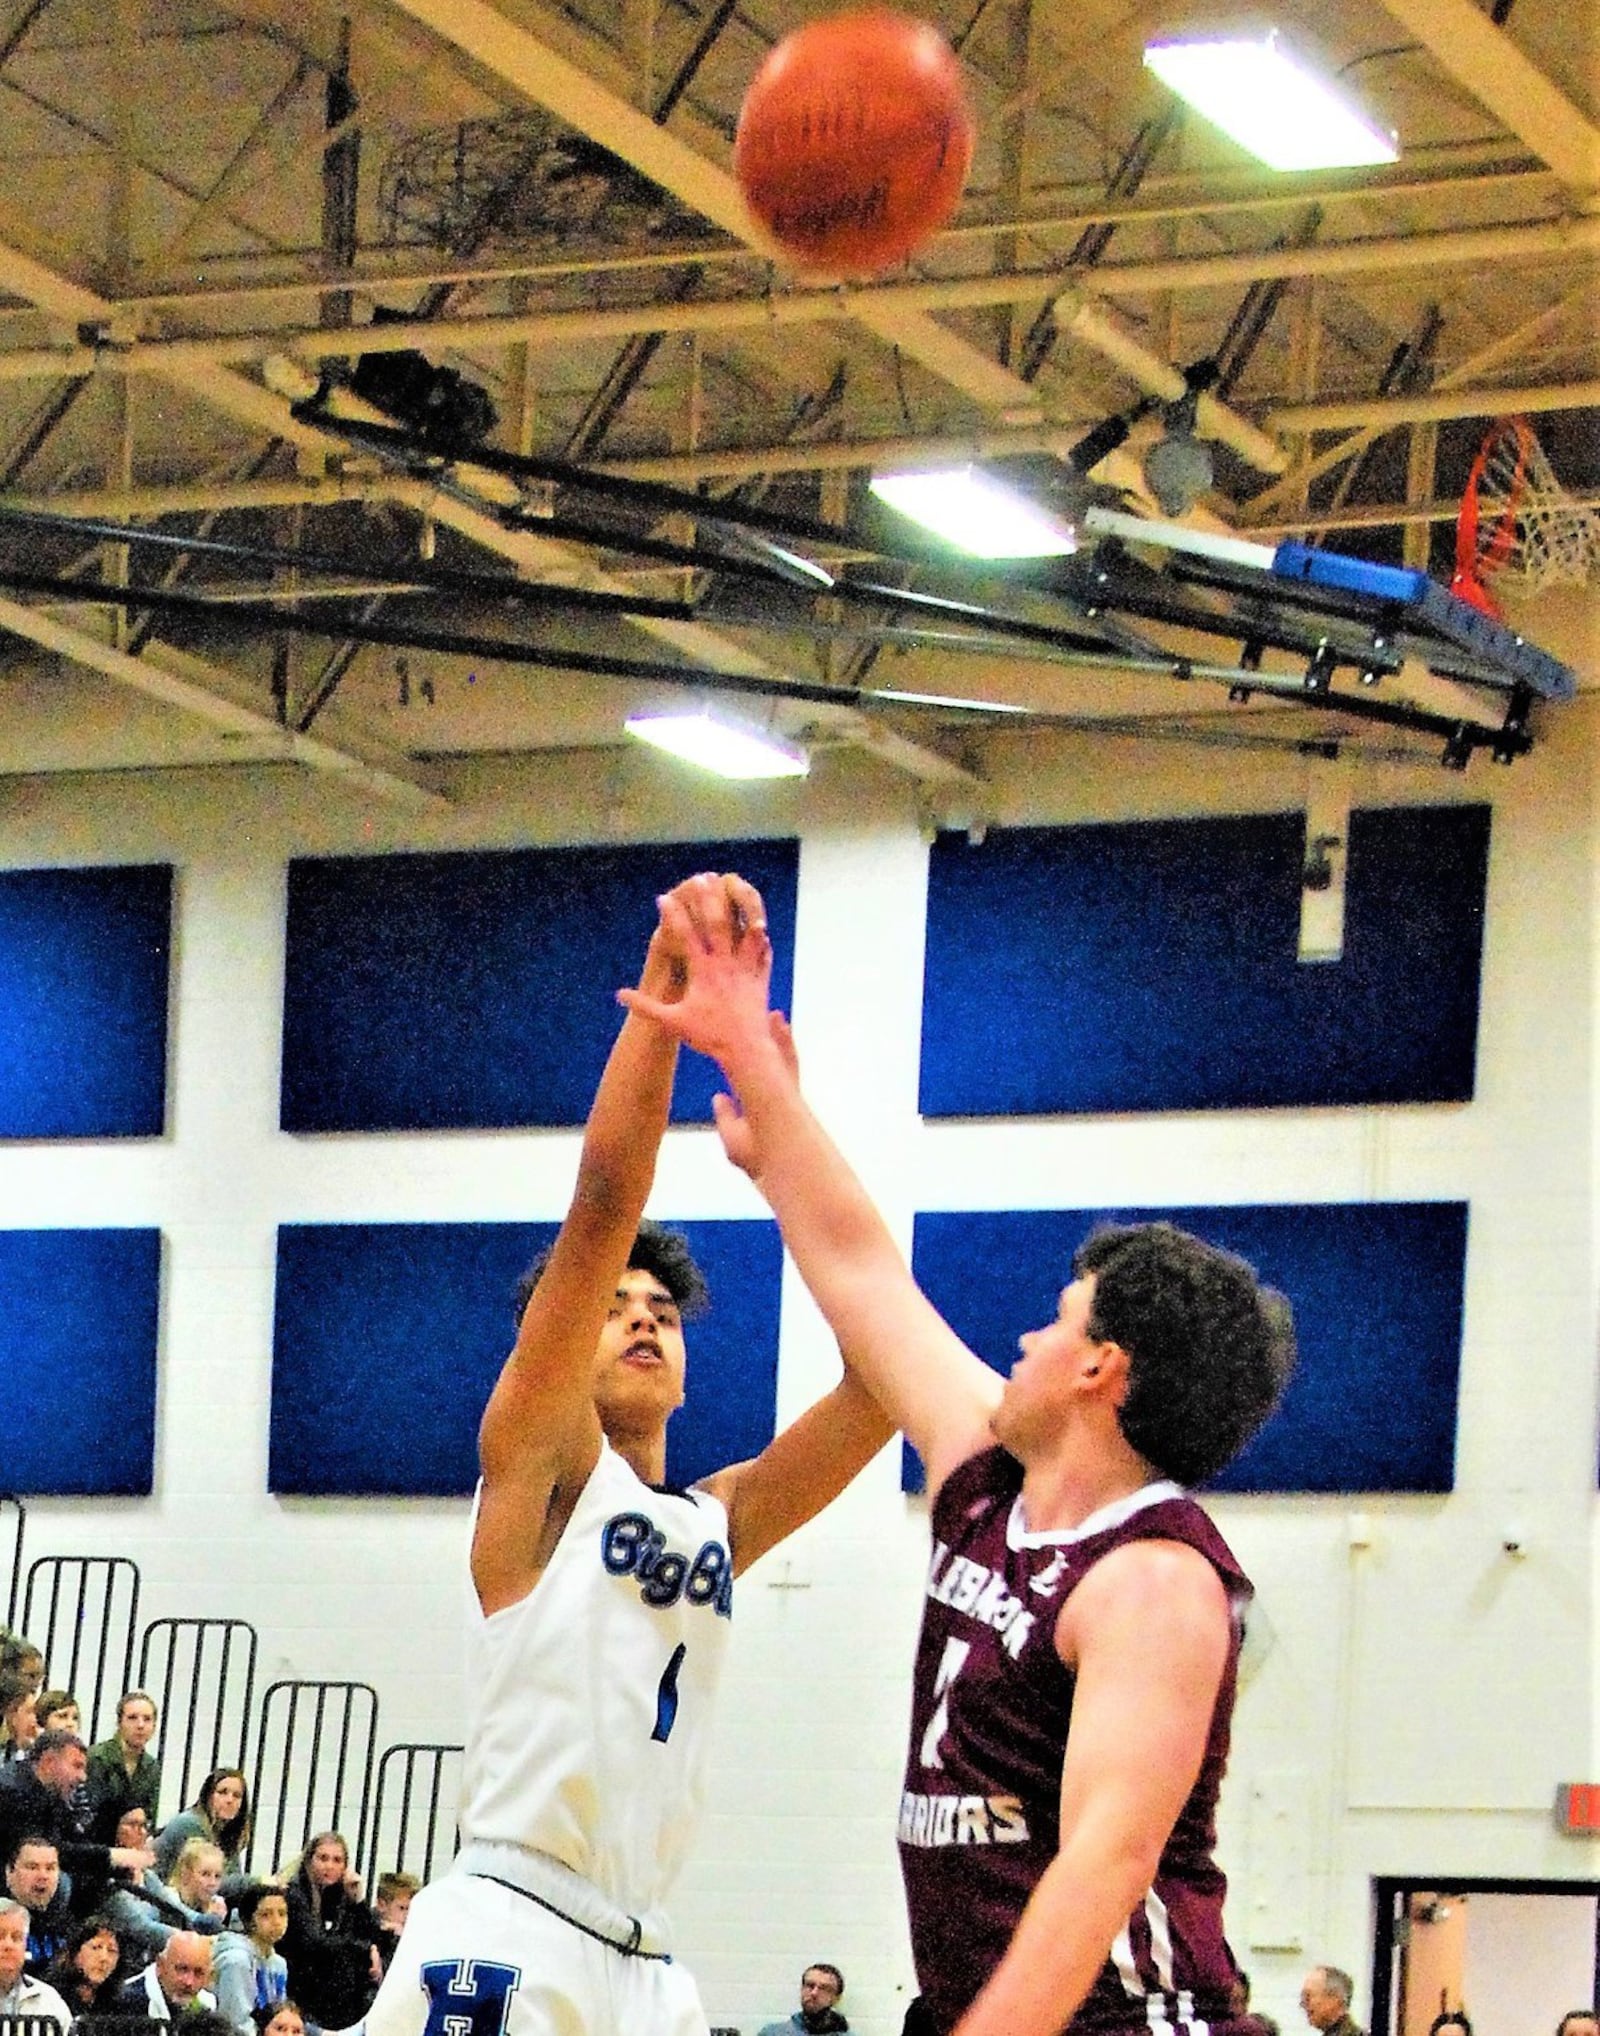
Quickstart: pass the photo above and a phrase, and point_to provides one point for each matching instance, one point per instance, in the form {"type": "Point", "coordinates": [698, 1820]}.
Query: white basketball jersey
{"type": "Point", "coordinates": [590, 1700]}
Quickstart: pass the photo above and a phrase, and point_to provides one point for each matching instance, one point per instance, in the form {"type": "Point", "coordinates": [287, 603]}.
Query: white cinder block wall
{"type": "Point", "coordinates": [1415, 1693]}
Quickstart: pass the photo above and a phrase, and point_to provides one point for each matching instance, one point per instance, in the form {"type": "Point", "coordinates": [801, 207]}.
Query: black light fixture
{"type": "Point", "coordinates": [1178, 468]}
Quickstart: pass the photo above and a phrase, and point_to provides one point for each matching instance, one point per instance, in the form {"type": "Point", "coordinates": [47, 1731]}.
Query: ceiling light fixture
{"type": "Point", "coordinates": [722, 743]}
{"type": "Point", "coordinates": [1270, 101]}
{"type": "Point", "coordinates": [978, 514]}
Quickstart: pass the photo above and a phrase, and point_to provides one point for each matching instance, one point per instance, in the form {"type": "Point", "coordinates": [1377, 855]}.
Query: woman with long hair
{"type": "Point", "coordinates": [220, 1814]}
{"type": "Point", "coordinates": [331, 1943]}
{"type": "Point", "coordinates": [86, 1970]}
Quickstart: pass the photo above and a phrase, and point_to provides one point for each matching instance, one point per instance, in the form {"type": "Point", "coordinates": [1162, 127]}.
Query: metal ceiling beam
{"type": "Point", "coordinates": [884, 306]}
{"type": "Point", "coordinates": [1522, 184]}
{"type": "Point", "coordinates": [1436, 407]}
{"type": "Point", "coordinates": [1465, 43]}
{"type": "Point", "coordinates": [187, 683]}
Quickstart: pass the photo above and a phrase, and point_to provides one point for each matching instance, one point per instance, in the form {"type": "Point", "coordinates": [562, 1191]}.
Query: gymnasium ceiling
{"type": "Point", "coordinates": [205, 201]}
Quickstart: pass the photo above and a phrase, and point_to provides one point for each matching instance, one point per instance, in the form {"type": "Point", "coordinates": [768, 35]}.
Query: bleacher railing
{"type": "Point", "coordinates": [81, 1612]}
{"type": "Point", "coordinates": [317, 1743]}
{"type": "Point", "coordinates": [414, 1810]}
{"type": "Point", "coordinates": [202, 1675]}
{"type": "Point", "coordinates": [13, 1527]}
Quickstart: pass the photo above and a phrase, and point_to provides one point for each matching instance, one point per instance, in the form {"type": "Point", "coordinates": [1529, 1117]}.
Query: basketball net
{"type": "Point", "coordinates": [1517, 519]}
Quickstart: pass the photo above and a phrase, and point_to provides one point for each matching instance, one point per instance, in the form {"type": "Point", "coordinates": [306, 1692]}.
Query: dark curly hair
{"type": "Point", "coordinates": [663, 1254]}
{"type": "Point", "coordinates": [1210, 1349]}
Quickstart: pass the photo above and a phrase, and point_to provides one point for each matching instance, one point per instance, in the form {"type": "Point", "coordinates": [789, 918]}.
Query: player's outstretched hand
{"type": "Point", "coordinates": [717, 927]}
{"type": "Point", "coordinates": [738, 1140]}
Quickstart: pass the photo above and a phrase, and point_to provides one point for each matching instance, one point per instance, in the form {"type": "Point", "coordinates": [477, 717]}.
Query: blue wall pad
{"type": "Point", "coordinates": [1154, 966]}
{"type": "Point", "coordinates": [1377, 1294]}
{"type": "Point", "coordinates": [83, 1002]}
{"type": "Point", "coordinates": [82, 1312]}
{"type": "Point", "coordinates": [388, 1338]}
{"type": "Point", "coordinates": [477, 991]}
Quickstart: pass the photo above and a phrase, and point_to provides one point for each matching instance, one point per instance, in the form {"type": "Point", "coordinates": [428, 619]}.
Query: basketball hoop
{"type": "Point", "coordinates": [1516, 519]}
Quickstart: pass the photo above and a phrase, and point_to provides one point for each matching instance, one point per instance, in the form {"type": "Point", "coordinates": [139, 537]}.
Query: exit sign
{"type": "Point", "coordinates": [1578, 1808]}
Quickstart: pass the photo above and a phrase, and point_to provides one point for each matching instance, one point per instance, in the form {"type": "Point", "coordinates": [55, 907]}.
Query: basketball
{"type": "Point", "coordinates": [854, 141]}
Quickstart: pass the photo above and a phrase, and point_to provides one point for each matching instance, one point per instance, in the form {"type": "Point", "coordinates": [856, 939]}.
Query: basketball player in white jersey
{"type": "Point", "coordinates": [599, 1611]}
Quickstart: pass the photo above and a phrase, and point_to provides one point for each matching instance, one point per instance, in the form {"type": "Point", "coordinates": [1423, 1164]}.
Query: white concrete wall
{"type": "Point", "coordinates": [1415, 1694]}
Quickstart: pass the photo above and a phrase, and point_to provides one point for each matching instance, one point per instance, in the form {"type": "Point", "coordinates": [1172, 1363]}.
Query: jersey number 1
{"type": "Point", "coordinates": [666, 1698]}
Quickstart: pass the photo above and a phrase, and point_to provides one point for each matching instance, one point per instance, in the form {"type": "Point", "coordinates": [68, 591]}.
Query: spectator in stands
{"type": "Point", "coordinates": [20, 1994]}
{"type": "Point", "coordinates": [36, 1795]}
{"type": "Point", "coordinates": [57, 1711]}
{"type": "Point", "coordinates": [122, 1771]}
{"type": "Point", "coordinates": [33, 1878]}
{"type": "Point", "coordinates": [1451, 2022]}
{"type": "Point", "coordinates": [19, 1654]}
{"type": "Point", "coordinates": [86, 1971]}
{"type": "Point", "coordinates": [820, 1988]}
{"type": "Point", "coordinates": [136, 1902]}
{"type": "Point", "coordinates": [1579, 2022]}
{"type": "Point", "coordinates": [250, 1973]}
{"type": "Point", "coordinates": [195, 1883]}
{"type": "Point", "coordinates": [1240, 2010]}
{"type": "Point", "coordinates": [220, 1813]}
{"type": "Point", "coordinates": [283, 2020]}
{"type": "Point", "coordinates": [176, 1984]}
{"type": "Point", "coordinates": [330, 1947]}
{"type": "Point", "coordinates": [391, 1904]}
{"type": "Point", "coordinates": [1325, 2000]}
{"type": "Point", "coordinates": [19, 1715]}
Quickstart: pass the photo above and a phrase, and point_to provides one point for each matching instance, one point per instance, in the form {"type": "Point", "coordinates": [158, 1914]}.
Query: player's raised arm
{"type": "Point", "coordinates": [921, 1374]}
{"type": "Point", "coordinates": [540, 1435]}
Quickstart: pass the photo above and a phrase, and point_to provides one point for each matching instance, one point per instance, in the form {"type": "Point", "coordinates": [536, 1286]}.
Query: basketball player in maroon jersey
{"type": "Point", "coordinates": [1075, 1676]}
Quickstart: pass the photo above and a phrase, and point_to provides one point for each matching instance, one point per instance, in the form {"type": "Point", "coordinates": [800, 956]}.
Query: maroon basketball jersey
{"type": "Point", "coordinates": [992, 1701]}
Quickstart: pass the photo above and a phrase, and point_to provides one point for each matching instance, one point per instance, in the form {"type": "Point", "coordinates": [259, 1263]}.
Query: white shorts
{"type": "Point", "coordinates": [479, 1957]}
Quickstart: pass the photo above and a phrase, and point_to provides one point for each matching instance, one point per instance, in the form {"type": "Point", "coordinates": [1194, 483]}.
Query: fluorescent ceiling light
{"type": "Point", "coordinates": [980, 514]}
{"type": "Point", "coordinates": [721, 743]}
{"type": "Point", "coordinates": [1270, 102]}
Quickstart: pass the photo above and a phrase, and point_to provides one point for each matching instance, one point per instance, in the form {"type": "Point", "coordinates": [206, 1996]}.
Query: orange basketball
{"type": "Point", "coordinates": [854, 141]}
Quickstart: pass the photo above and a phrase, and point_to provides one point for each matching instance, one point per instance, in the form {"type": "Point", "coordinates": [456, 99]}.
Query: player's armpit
{"type": "Point", "coordinates": [801, 1470]}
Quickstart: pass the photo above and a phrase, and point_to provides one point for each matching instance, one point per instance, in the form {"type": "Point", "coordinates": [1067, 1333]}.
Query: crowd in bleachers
{"type": "Point", "coordinates": [107, 1911]}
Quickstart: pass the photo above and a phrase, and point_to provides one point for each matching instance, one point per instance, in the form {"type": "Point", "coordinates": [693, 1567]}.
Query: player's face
{"type": "Point", "coordinates": [640, 1358]}
{"type": "Point", "coordinates": [1038, 1393]}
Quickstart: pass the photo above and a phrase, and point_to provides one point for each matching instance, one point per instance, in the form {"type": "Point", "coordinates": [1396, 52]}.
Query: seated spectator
{"type": "Point", "coordinates": [19, 1653]}
{"type": "Point", "coordinates": [122, 1894]}
{"type": "Point", "coordinates": [391, 1904]}
{"type": "Point", "coordinates": [87, 1971]}
{"type": "Point", "coordinates": [330, 1946]}
{"type": "Point", "coordinates": [122, 1772]}
{"type": "Point", "coordinates": [33, 1878]}
{"type": "Point", "coordinates": [283, 2020]}
{"type": "Point", "coordinates": [1579, 2022]}
{"type": "Point", "coordinates": [176, 1984]}
{"type": "Point", "coordinates": [220, 1813]}
{"type": "Point", "coordinates": [20, 1994]}
{"type": "Point", "coordinates": [57, 1711]}
{"type": "Point", "coordinates": [195, 1883]}
{"type": "Point", "coordinates": [820, 1987]}
{"type": "Point", "coordinates": [1240, 2010]}
{"type": "Point", "coordinates": [19, 1715]}
{"type": "Point", "coordinates": [36, 1796]}
{"type": "Point", "coordinates": [251, 1976]}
